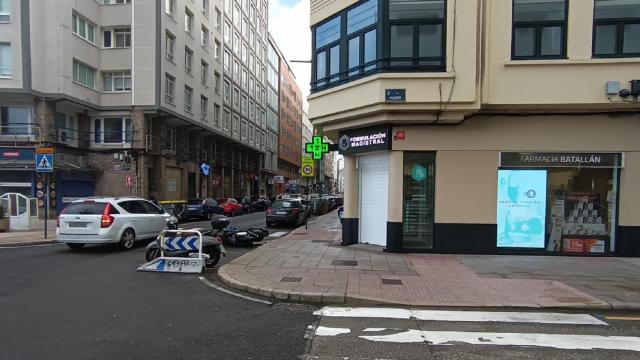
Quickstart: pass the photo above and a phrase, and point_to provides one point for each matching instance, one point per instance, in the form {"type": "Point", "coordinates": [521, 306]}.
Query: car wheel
{"type": "Point", "coordinates": [127, 240]}
{"type": "Point", "coordinates": [75, 246]}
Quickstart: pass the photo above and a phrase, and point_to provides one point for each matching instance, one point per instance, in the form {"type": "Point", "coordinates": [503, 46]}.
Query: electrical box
{"type": "Point", "coordinates": [635, 87]}
{"type": "Point", "coordinates": [612, 87]}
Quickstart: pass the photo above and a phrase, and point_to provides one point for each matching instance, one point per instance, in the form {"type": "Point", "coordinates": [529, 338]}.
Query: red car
{"type": "Point", "coordinates": [230, 206]}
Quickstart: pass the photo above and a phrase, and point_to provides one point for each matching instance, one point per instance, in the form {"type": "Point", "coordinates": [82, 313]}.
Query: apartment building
{"type": "Point", "coordinates": [133, 97]}
{"type": "Point", "coordinates": [285, 99]}
{"type": "Point", "coordinates": [245, 93]}
{"type": "Point", "coordinates": [501, 126]}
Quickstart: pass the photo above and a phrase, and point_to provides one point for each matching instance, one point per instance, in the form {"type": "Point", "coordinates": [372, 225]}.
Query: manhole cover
{"type": "Point", "coordinates": [391, 281]}
{"type": "Point", "coordinates": [291, 279]}
{"type": "Point", "coordinates": [344, 263]}
{"type": "Point", "coordinates": [294, 307]}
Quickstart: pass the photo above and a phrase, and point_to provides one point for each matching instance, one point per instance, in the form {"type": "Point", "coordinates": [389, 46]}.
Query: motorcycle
{"type": "Point", "coordinates": [212, 247]}
{"type": "Point", "coordinates": [235, 236]}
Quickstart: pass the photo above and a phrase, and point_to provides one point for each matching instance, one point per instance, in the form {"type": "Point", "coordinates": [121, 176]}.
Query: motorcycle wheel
{"type": "Point", "coordinates": [214, 256]}
{"type": "Point", "coordinates": [151, 254]}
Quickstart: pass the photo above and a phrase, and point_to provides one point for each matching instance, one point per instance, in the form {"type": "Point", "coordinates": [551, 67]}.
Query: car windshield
{"type": "Point", "coordinates": [85, 208]}
{"type": "Point", "coordinates": [283, 204]}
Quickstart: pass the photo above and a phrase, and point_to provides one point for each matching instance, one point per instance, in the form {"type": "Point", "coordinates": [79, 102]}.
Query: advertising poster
{"type": "Point", "coordinates": [522, 201]}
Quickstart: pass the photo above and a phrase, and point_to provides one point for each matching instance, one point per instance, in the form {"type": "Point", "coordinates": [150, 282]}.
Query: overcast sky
{"type": "Point", "coordinates": [289, 26]}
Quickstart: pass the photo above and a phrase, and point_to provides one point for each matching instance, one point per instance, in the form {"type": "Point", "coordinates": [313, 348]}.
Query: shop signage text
{"type": "Point", "coordinates": [544, 160]}
{"type": "Point", "coordinates": [364, 140]}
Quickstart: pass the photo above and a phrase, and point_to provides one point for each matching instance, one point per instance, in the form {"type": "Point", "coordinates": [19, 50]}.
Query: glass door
{"type": "Point", "coordinates": [418, 203]}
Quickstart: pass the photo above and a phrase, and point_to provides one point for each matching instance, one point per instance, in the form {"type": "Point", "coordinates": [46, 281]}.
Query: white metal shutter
{"type": "Point", "coordinates": [374, 191]}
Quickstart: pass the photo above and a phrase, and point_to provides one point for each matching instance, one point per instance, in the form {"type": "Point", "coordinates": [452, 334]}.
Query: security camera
{"type": "Point", "coordinates": [624, 93]}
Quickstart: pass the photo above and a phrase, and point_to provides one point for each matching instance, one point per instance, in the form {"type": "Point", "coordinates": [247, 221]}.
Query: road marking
{"type": "Point", "coordinates": [330, 331]}
{"type": "Point", "coordinates": [210, 284]}
{"type": "Point", "coordinates": [624, 318]}
{"type": "Point", "coordinates": [278, 234]}
{"type": "Point", "coordinates": [463, 316]}
{"type": "Point", "coordinates": [558, 341]}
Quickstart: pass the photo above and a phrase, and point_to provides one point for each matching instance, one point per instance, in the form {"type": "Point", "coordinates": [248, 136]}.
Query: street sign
{"type": "Point", "coordinates": [44, 150]}
{"type": "Point", "coordinates": [44, 162]}
{"type": "Point", "coordinates": [317, 147]}
{"type": "Point", "coordinates": [175, 240]}
{"type": "Point", "coordinates": [205, 169]}
{"type": "Point", "coordinates": [308, 167]}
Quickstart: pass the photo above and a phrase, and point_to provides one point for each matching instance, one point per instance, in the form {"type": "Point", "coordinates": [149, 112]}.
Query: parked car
{"type": "Point", "coordinates": [260, 203]}
{"type": "Point", "coordinates": [197, 209]}
{"type": "Point", "coordinates": [121, 220]}
{"type": "Point", "coordinates": [318, 206]}
{"type": "Point", "coordinates": [230, 206]}
{"type": "Point", "coordinates": [245, 203]}
{"type": "Point", "coordinates": [286, 211]}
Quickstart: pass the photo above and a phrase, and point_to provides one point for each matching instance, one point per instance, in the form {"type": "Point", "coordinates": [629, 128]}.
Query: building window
{"type": "Point", "coordinates": [205, 7]}
{"type": "Point", "coordinates": [116, 81]}
{"type": "Point", "coordinates": [170, 89]}
{"type": "Point", "coordinates": [5, 11]}
{"type": "Point", "coordinates": [236, 15]}
{"type": "Point", "coordinates": [216, 50]}
{"type": "Point", "coordinates": [188, 21]}
{"type": "Point", "coordinates": [170, 46]}
{"type": "Point", "coordinates": [15, 120]}
{"type": "Point", "coordinates": [204, 37]}
{"type": "Point", "coordinates": [66, 128]}
{"type": "Point", "coordinates": [6, 68]}
{"type": "Point", "coordinates": [227, 32]}
{"type": "Point", "coordinates": [204, 104]}
{"type": "Point", "coordinates": [236, 69]}
{"type": "Point", "coordinates": [115, 2]}
{"type": "Point", "coordinates": [170, 7]}
{"type": "Point", "coordinates": [83, 28]}
{"type": "Point", "coordinates": [188, 95]}
{"type": "Point", "coordinates": [616, 29]}
{"type": "Point", "coordinates": [218, 19]}
{"type": "Point", "coordinates": [114, 130]}
{"type": "Point", "coordinates": [216, 85]}
{"type": "Point", "coordinates": [244, 79]}
{"type": "Point", "coordinates": [244, 130]}
{"type": "Point", "coordinates": [244, 105]}
{"type": "Point", "coordinates": [226, 121]}
{"type": "Point", "coordinates": [236, 126]}
{"type": "Point", "coordinates": [236, 43]}
{"type": "Point", "coordinates": [361, 38]}
{"type": "Point", "coordinates": [116, 38]}
{"type": "Point", "coordinates": [84, 74]}
{"type": "Point", "coordinates": [227, 92]}
{"type": "Point", "coordinates": [204, 72]}
{"type": "Point", "coordinates": [236, 98]}
{"type": "Point", "coordinates": [227, 60]}
{"type": "Point", "coordinates": [188, 58]}
{"type": "Point", "coordinates": [216, 115]}
{"type": "Point", "coordinates": [539, 29]}
{"type": "Point", "coordinates": [227, 7]}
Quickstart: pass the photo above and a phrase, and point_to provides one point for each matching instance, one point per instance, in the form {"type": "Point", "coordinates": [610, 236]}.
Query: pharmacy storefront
{"type": "Point", "coordinates": [558, 202]}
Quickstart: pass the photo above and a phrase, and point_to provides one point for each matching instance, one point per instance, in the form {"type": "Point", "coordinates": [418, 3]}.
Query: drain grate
{"type": "Point", "coordinates": [344, 263]}
{"type": "Point", "coordinates": [291, 279]}
{"type": "Point", "coordinates": [294, 307]}
{"type": "Point", "coordinates": [391, 281]}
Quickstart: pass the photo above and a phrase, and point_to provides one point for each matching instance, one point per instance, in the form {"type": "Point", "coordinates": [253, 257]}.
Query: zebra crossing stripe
{"type": "Point", "coordinates": [278, 234]}
{"type": "Point", "coordinates": [558, 341]}
{"type": "Point", "coordinates": [461, 316]}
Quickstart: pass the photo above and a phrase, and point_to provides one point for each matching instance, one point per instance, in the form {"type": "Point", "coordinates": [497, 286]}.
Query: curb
{"type": "Point", "coordinates": [26, 243]}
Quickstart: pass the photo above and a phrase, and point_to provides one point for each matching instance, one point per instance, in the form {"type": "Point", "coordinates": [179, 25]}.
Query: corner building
{"type": "Point", "coordinates": [483, 127]}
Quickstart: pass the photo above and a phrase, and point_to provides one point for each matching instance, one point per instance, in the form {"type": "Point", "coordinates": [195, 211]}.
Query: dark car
{"type": "Point", "coordinates": [260, 203]}
{"type": "Point", "coordinates": [286, 211]}
{"type": "Point", "coordinates": [318, 206]}
{"type": "Point", "coordinates": [197, 209]}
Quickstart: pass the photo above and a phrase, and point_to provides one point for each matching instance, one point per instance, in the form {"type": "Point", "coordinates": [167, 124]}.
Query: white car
{"type": "Point", "coordinates": [106, 220]}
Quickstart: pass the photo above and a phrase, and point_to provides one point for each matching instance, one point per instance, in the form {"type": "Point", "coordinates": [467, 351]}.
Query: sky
{"type": "Point", "coordinates": [289, 26]}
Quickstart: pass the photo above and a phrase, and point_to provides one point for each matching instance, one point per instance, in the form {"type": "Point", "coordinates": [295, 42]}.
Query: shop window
{"type": "Point", "coordinates": [616, 28]}
{"type": "Point", "coordinates": [418, 200]}
{"type": "Point", "coordinates": [558, 210]}
{"type": "Point", "coordinates": [539, 29]}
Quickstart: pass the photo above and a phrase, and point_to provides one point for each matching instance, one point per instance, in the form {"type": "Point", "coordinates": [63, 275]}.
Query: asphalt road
{"type": "Point", "coordinates": [92, 304]}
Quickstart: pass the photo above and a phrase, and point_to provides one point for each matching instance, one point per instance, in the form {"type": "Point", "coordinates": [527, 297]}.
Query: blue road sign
{"type": "Point", "coordinates": [44, 162]}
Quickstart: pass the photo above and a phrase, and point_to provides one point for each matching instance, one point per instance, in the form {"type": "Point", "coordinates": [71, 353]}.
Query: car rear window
{"type": "Point", "coordinates": [283, 204]}
{"type": "Point", "coordinates": [85, 209]}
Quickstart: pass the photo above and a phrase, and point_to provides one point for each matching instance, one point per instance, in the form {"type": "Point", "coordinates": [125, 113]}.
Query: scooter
{"type": "Point", "coordinates": [212, 247]}
{"type": "Point", "coordinates": [235, 236]}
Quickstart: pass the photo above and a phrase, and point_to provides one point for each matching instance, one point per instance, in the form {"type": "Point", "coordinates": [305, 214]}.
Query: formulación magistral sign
{"type": "Point", "coordinates": [364, 140]}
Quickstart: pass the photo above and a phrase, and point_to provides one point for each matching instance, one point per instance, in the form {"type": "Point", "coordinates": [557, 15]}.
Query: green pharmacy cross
{"type": "Point", "coordinates": [318, 148]}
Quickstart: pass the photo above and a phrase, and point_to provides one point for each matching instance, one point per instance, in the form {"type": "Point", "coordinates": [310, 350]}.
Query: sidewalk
{"type": "Point", "coordinates": [34, 237]}
{"type": "Point", "coordinates": [311, 266]}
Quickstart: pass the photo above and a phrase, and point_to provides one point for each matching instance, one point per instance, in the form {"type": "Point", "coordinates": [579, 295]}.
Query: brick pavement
{"type": "Point", "coordinates": [35, 237]}
{"type": "Point", "coordinates": [310, 265]}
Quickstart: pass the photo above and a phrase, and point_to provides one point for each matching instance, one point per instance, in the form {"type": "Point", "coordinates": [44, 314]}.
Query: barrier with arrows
{"type": "Point", "coordinates": [176, 240]}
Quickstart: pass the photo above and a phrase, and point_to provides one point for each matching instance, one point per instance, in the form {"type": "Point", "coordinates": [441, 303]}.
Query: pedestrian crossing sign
{"type": "Point", "coordinates": [44, 162]}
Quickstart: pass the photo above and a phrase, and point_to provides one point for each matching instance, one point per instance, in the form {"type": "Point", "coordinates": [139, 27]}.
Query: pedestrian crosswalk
{"type": "Point", "coordinates": [396, 333]}
{"type": "Point", "coordinates": [277, 234]}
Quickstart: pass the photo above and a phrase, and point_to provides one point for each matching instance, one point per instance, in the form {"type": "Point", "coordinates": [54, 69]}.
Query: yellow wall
{"type": "Point", "coordinates": [466, 187]}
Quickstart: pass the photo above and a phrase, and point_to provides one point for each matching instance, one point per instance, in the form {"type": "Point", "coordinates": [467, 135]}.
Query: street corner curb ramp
{"type": "Point", "coordinates": [176, 240]}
